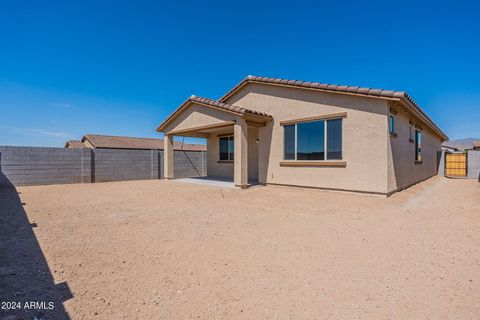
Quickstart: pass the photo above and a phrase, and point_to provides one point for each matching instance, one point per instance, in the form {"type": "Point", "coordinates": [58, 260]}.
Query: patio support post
{"type": "Point", "coordinates": [168, 157]}
{"type": "Point", "coordinates": [240, 175]}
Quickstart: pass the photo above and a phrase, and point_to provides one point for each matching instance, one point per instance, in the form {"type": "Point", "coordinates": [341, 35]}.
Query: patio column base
{"type": "Point", "coordinates": [243, 186]}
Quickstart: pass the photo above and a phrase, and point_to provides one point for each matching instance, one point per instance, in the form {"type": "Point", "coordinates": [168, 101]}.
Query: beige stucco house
{"type": "Point", "coordinates": [306, 134]}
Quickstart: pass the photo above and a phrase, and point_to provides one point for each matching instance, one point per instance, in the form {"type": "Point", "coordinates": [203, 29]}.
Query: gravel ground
{"type": "Point", "coordinates": [170, 250]}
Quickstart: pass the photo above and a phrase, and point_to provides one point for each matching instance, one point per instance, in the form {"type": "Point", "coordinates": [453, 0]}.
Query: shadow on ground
{"type": "Point", "coordinates": [27, 288]}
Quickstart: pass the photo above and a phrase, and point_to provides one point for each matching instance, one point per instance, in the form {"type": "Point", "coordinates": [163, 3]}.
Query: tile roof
{"type": "Point", "coordinates": [381, 93]}
{"type": "Point", "coordinates": [476, 144]}
{"type": "Point", "coordinates": [75, 144]}
{"type": "Point", "coordinates": [120, 142]}
{"type": "Point", "coordinates": [213, 104]}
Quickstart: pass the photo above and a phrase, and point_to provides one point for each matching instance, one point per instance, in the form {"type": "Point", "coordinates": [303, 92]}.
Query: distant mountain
{"type": "Point", "coordinates": [461, 144]}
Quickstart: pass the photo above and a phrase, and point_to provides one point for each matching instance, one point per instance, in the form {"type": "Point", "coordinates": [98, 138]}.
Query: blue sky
{"type": "Point", "coordinates": [115, 67]}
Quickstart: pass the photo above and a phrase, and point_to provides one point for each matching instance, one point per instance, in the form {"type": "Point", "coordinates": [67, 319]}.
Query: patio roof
{"type": "Point", "coordinates": [209, 103]}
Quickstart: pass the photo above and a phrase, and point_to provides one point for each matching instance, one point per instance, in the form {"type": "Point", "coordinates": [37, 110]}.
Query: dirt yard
{"type": "Point", "coordinates": [170, 250]}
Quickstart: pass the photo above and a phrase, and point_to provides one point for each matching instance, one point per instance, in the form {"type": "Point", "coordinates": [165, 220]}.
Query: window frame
{"type": "Point", "coordinates": [325, 141]}
{"type": "Point", "coordinates": [229, 158]}
{"type": "Point", "coordinates": [418, 154]}
{"type": "Point", "coordinates": [411, 132]}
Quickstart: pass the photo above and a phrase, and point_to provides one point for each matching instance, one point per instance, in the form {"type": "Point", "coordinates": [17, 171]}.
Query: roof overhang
{"type": "Point", "coordinates": [391, 95]}
{"type": "Point", "coordinates": [252, 115]}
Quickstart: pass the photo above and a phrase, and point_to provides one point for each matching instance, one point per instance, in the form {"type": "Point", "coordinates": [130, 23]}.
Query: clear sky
{"type": "Point", "coordinates": [115, 67]}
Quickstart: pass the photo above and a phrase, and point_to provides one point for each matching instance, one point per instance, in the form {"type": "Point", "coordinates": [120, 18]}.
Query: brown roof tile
{"type": "Point", "coordinates": [120, 142]}
{"type": "Point", "coordinates": [75, 144]}
{"type": "Point", "coordinates": [402, 95]}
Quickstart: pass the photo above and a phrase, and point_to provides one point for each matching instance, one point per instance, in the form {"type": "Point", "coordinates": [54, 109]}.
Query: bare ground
{"type": "Point", "coordinates": [169, 250]}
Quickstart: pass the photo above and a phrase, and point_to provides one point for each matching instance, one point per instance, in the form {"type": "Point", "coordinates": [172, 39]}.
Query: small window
{"type": "Point", "coordinates": [418, 145]}
{"type": "Point", "coordinates": [391, 124]}
{"type": "Point", "coordinates": [226, 148]}
{"type": "Point", "coordinates": [314, 140]}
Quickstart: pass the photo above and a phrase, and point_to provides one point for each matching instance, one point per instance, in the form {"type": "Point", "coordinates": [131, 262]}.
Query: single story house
{"type": "Point", "coordinates": [310, 134]}
{"type": "Point", "coordinates": [97, 141]}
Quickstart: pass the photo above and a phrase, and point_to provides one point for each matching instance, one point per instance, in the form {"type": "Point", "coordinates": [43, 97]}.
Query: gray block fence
{"type": "Point", "coordinates": [23, 166]}
{"type": "Point", "coordinates": [473, 164]}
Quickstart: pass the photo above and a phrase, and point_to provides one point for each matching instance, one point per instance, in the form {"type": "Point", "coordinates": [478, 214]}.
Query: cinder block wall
{"type": "Point", "coordinates": [119, 165]}
{"type": "Point", "coordinates": [473, 164]}
{"type": "Point", "coordinates": [33, 166]}
{"type": "Point", "coordinates": [22, 166]}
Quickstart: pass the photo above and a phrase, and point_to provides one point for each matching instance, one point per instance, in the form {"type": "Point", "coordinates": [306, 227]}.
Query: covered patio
{"type": "Point", "coordinates": [232, 133]}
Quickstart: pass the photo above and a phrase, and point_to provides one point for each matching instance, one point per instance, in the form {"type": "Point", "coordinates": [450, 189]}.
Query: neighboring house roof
{"type": "Point", "coordinates": [379, 93]}
{"type": "Point", "coordinates": [449, 147]}
{"type": "Point", "coordinates": [476, 144]}
{"type": "Point", "coordinates": [462, 144]}
{"type": "Point", "coordinates": [211, 104]}
{"type": "Point", "coordinates": [119, 142]}
{"type": "Point", "coordinates": [75, 144]}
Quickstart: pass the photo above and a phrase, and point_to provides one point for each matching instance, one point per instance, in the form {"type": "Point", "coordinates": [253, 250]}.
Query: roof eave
{"type": "Point", "coordinates": [395, 95]}
{"type": "Point", "coordinates": [406, 100]}
{"type": "Point", "coordinates": [213, 104]}
{"type": "Point", "coordinates": [161, 127]}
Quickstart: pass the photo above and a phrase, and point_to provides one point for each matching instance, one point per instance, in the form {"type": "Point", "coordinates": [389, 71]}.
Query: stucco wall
{"type": "Point", "coordinates": [402, 169]}
{"type": "Point", "coordinates": [225, 170]}
{"type": "Point", "coordinates": [196, 116]}
{"type": "Point", "coordinates": [365, 133]}
{"type": "Point", "coordinates": [215, 169]}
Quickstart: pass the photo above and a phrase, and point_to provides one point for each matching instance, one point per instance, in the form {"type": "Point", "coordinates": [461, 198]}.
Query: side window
{"type": "Point", "coordinates": [391, 124]}
{"type": "Point", "coordinates": [418, 145]}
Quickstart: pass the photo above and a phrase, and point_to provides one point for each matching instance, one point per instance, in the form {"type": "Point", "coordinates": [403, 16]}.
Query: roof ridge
{"type": "Point", "coordinates": [365, 91]}
{"type": "Point", "coordinates": [112, 136]}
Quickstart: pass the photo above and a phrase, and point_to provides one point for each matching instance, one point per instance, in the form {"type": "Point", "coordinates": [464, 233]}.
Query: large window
{"type": "Point", "coordinates": [418, 145]}
{"type": "Point", "coordinates": [315, 140]}
{"type": "Point", "coordinates": [226, 148]}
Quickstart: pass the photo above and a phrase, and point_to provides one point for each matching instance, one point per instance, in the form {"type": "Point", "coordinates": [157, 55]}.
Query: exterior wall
{"type": "Point", "coordinates": [473, 165]}
{"type": "Point", "coordinates": [20, 166]}
{"type": "Point", "coordinates": [365, 133]}
{"type": "Point", "coordinates": [441, 164]}
{"type": "Point", "coordinates": [402, 169]}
